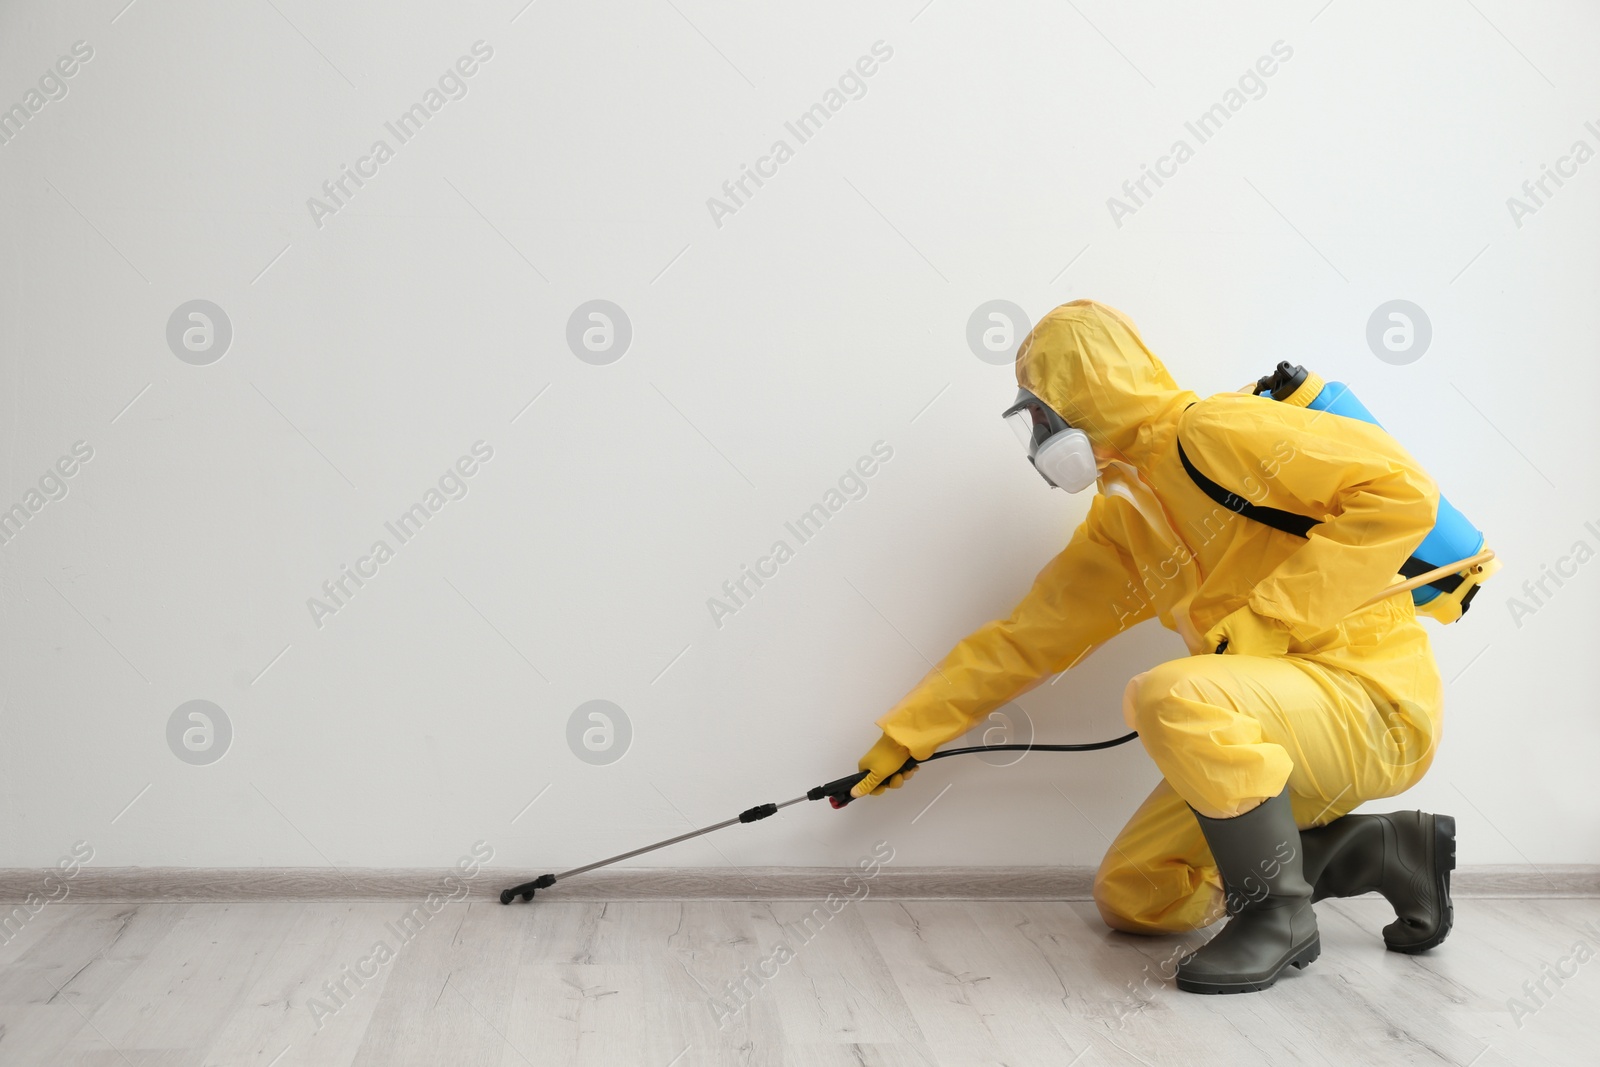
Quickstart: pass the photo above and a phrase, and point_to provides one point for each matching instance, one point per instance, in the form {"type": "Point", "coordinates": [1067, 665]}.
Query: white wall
{"type": "Point", "coordinates": [770, 352]}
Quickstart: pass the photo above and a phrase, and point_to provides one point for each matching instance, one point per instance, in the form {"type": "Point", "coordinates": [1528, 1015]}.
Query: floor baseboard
{"type": "Point", "coordinates": [93, 885]}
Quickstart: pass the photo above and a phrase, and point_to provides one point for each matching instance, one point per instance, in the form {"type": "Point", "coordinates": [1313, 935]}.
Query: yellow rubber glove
{"type": "Point", "coordinates": [883, 760]}
{"type": "Point", "coordinates": [1249, 634]}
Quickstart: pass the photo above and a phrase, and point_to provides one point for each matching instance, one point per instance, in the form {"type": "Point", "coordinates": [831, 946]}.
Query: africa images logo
{"type": "Point", "coordinates": [851, 85]}
{"type": "Point", "coordinates": [852, 485]}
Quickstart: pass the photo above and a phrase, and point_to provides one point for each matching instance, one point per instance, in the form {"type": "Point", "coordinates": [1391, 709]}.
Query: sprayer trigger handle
{"type": "Point", "coordinates": [838, 790]}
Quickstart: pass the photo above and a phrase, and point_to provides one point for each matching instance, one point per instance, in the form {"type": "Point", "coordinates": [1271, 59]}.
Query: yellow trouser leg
{"type": "Point", "coordinates": [1228, 732]}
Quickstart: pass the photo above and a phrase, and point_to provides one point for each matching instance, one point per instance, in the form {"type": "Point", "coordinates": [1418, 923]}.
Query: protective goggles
{"type": "Point", "coordinates": [1033, 421]}
{"type": "Point", "coordinates": [1063, 456]}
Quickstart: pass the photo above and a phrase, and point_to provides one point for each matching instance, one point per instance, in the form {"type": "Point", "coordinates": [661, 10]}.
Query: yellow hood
{"type": "Point", "coordinates": [1088, 362]}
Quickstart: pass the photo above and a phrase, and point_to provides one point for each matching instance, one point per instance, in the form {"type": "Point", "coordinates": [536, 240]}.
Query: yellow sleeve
{"type": "Point", "coordinates": [1376, 503]}
{"type": "Point", "coordinates": [1082, 598]}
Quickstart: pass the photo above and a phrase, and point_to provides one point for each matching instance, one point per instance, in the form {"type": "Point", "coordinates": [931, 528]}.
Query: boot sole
{"type": "Point", "coordinates": [1300, 959]}
{"type": "Point", "coordinates": [1444, 861]}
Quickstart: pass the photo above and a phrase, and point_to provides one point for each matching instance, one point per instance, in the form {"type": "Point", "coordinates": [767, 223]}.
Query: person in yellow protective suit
{"type": "Point", "coordinates": [1313, 707]}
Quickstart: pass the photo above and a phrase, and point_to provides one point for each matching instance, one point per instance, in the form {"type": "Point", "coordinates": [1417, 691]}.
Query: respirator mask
{"type": "Point", "coordinates": [1062, 455]}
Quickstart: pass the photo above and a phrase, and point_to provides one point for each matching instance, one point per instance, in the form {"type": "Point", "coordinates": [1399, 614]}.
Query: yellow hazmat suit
{"type": "Point", "coordinates": [1345, 706]}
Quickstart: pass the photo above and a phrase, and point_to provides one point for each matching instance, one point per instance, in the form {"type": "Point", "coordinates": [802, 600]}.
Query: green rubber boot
{"type": "Point", "coordinates": [1405, 855]}
{"type": "Point", "coordinates": [1272, 926]}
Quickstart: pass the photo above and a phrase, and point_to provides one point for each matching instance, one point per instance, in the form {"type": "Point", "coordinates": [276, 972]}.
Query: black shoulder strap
{"type": "Point", "coordinates": [1299, 525]}
{"type": "Point", "coordinates": [1287, 521]}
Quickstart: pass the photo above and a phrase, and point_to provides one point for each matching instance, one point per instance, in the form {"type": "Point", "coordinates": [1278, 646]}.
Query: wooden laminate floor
{"type": "Point", "coordinates": [658, 984]}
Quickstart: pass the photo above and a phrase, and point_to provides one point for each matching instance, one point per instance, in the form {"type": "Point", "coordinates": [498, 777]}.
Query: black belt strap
{"type": "Point", "coordinates": [1299, 525]}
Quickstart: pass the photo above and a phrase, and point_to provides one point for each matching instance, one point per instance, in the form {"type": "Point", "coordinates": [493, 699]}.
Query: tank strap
{"type": "Point", "coordinates": [1414, 566]}
{"type": "Point", "coordinates": [1287, 521]}
{"type": "Point", "coordinates": [1291, 523]}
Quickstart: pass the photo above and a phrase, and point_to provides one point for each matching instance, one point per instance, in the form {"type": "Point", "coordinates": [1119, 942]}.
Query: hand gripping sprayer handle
{"type": "Point", "coordinates": [838, 790]}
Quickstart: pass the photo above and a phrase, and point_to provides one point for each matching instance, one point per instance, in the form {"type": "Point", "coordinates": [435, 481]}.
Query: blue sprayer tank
{"type": "Point", "coordinates": [1453, 537]}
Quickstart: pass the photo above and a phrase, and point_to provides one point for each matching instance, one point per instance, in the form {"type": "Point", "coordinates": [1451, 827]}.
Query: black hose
{"type": "Point", "coordinates": [838, 791]}
{"type": "Point", "coordinates": [1093, 746]}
